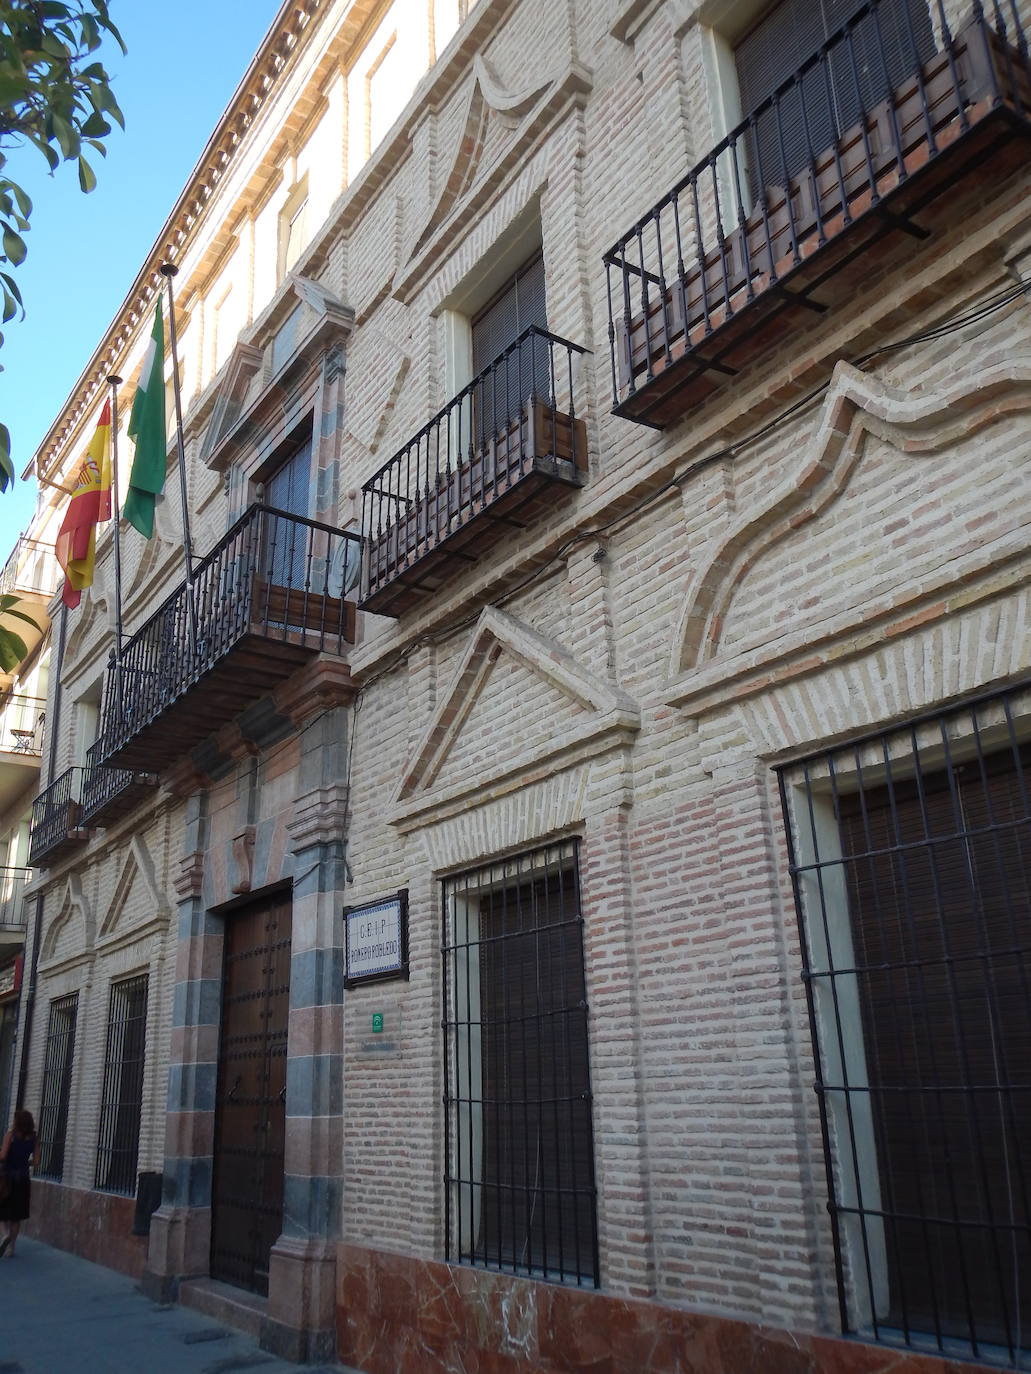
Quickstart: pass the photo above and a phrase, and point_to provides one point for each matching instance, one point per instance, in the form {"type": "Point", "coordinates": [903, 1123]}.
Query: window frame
{"type": "Point", "coordinates": [55, 1092]}
{"type": "Point", "coordinates": [869, 1192]}
{"type": "Point", "coordinates": [115, 1109]}
{"type": "Point", "coordinates": [560, 1245]}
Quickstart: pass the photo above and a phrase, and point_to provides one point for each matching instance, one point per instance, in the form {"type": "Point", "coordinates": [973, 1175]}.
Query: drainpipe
{"type": "Point", "coordinates": [37, 925]}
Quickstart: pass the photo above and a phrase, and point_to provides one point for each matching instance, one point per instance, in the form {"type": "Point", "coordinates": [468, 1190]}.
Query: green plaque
{"type": "Point", "coordinates": [377, 1022]}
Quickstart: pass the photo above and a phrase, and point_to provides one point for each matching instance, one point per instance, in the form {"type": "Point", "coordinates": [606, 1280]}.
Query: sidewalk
{"type": "Point", "coordinates": [60, 1313]}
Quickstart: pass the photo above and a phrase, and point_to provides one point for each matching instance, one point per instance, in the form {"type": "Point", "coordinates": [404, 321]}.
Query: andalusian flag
{"type": "Point", "coordinates": [76, 546]}
{"type": "Point", "coordinates": [147, 430]}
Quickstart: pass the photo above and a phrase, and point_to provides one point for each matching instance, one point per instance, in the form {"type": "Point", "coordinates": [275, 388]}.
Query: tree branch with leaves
{"type": "Point", "coordinates": [56, 97]}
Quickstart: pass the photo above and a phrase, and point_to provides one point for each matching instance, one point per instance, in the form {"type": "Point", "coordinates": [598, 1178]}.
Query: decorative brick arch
{"type": "Point", "coordinates": [856, 405]}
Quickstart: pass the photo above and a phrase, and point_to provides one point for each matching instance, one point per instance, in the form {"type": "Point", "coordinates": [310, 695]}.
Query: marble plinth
{"type": "Point", "coordinates": [399, 1315]}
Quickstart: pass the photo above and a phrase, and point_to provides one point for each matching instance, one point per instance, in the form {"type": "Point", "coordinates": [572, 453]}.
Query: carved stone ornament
{"type": "Point", "coordinates": [243, 859]}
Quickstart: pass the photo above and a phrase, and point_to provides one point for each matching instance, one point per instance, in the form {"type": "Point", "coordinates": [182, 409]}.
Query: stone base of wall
{"type": "Point", "coordinates": [96, 1226]}
{"type": "Point", "coordinates": [398, 1315]}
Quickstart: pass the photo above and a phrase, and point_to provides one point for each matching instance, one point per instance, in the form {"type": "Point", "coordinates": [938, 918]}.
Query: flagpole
{"type": "Point", "coordinates": [115, 382]}
{"type": "Point", "coordinates": [168, 271]}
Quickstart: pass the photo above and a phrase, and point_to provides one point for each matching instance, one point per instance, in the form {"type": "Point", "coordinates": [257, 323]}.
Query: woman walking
{"type": "Point", "coordinates": [17, 1156]}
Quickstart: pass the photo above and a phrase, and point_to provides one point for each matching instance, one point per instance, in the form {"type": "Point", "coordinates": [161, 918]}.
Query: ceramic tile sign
{"type": "Point", "coordinates": [377, 940]}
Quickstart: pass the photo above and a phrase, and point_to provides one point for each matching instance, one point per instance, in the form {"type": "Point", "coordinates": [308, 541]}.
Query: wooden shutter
{"type": "Point", "coordinates": [288, 544]}
{"type": "Point", "coordinates": [886, 47]}
{"type": "Point", "coordinates": [287, 488]}
{"type": "Point", "coordinates": [520, 304]}
{"type": "Point", "coordinates": [939, 885]}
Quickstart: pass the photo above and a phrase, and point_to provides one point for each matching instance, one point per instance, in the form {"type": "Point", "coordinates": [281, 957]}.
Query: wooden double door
{"type": "Point", "coordinates": [250, 1115]}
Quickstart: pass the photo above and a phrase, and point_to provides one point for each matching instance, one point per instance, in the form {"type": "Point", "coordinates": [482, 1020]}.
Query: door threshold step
{"type": "Point", "coordinates": [234, 1307]}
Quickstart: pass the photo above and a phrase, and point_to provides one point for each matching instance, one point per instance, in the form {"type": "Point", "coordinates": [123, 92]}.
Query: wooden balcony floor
{"type": "Point", "coordinates": [248, 670]}
{"type": "Point", "coordinates": [751, 300]}
{"type": "Point", "coordinates": [473, 509]}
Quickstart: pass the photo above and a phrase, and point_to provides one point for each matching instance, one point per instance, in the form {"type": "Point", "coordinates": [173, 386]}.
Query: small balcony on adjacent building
{"type": "Point", "coordinates": [485, 467]}
{"type": "Point", "coordinates": [55, 829]}
{"type": "Point", "coordinates": [267, 599]}
{"type": "Point", "coordinates": [835, 167]}
{"type": "Point", "coordinates": [30, 575]}
{"type": "Point", "coordinates": [13, 916]}
{"type": "Point", "coordinates": [21, 744]}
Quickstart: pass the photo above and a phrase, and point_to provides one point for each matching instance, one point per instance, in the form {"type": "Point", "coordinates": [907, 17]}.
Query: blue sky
{"type": "Point", "coordinates": [185, 60]}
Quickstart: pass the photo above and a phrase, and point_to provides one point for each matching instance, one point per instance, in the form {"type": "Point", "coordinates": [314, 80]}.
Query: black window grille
{"type": "Point", "coordinates": [122, 1102]}
{"type": "Point", "coordinates": [911, 861]}
{"type": "Point", "coordinates": [519, 1153]}
{"type": "Point", "coordinates": [56, 1092]}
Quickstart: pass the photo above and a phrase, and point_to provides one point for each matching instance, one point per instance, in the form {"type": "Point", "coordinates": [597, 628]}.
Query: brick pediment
{"type": "Point", "coordinates": [518, 706]}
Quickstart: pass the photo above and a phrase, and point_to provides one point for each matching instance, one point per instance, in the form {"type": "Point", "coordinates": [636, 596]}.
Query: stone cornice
{"type": "Point", "coordinates": [261, 81]}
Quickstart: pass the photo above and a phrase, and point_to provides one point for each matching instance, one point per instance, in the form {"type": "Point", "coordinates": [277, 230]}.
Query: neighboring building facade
{"type": "Point", "coordinates": [29, 576]}
{"type": "Point", "coordinates": [633, 638]}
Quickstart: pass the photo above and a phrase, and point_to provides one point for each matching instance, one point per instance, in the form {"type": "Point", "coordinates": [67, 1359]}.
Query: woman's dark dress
{"type": "Point", "coordinates": [15, 1207]}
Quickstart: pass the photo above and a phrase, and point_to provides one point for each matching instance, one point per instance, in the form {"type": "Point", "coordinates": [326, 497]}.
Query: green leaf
{"type": "Point", "coordinates": [24, 202]}
{"type": "Point", "coordinates": [67, 138]}
{"type": "Point", "coordinates": [12, 650]}
{"type": "Point", "coordinates": [87, 176]}
{"type": "Point", "coordinates": [103, 99]}
{"type": "Point", "coordinates": [51, 44]}
{"type": "Point", "coordinates": [96, 126]}
{"type": "Point", "coordinates": [14, 246]}
{"type": "Point", "coordinates": [44, 147]}
{"type": "Point", "coordinates": [7, 607]}
{"type": "Point", "coordinates": [6, 466]}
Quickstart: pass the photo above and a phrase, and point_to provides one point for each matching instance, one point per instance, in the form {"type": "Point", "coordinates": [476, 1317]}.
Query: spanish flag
{"type": "Point", "coordinates": [91, 502]}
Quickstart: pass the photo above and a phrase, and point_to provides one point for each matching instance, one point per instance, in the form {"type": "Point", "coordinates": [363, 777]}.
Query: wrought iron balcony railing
{"type": "Point", "coordinates": [21, 725]}
{"type": "Point", "coordinates": [484, 463]}
{"type": "Point", "coordinates": [13, 880]}
{"type": "Point", "coordinates": [755, 236]}
{"type": "Point", "coordinates": [31, 568]}
{"type": "Point", "coordinates": [55, 826]}
{"type": "Point", "coordinates": [109, 793]}
{"type": "Point", "coordinates": [268, 597]}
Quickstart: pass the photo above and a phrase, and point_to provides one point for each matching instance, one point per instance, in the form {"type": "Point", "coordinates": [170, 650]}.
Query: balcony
{"type": "Point", "coordinates": [30, 574]}
{"type": "Point", "coordinates": [21, 744]}
{"type": "Point", "coordinates": [13, 916]}
{"type": "Point", "coordinates": [702, 285]}
{"type": "Point", "coordinates": [484, 467]}
{"type": "Point", "coordinates": [55, 829]}
{"type": "Point", "coordinates": [107, 793]}
{"type": "Point", "coordinates": [269, 597]}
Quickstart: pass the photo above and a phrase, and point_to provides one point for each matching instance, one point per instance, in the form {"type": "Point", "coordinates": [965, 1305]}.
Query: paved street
{"type": "Point", "coordinates": [59, 1313]}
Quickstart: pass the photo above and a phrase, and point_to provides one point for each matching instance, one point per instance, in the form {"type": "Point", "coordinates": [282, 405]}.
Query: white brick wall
{"type": "Point", "coordinates": [707, 1136]}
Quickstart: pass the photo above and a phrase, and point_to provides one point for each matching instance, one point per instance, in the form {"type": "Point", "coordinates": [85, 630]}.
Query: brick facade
{"type": "Point", "coordinates": [742, 588]}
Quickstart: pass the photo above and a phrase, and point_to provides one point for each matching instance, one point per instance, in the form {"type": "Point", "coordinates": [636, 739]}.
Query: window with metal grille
{"type": "Point", "coordinates": [888, 42]}
{"type": "Point", "coordinates": [122, 1101]}
{"type": "Point", "coordinates": [519, 1167]}
{"type": "Point", "coordinates": [56, 1092]}
{"type": "Point", "coordinates": [911, 860]}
